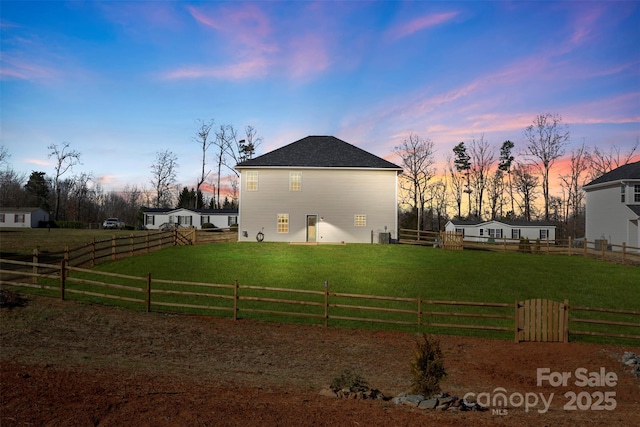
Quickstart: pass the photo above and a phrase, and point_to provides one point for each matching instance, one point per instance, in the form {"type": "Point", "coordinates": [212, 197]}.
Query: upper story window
{"type": "Point", "coordinates": [636, 193]}
{"type": "Point", "coordinates": [252, 180]}
{"type": "Point", "coordinates": [295, 181]}
{"type": "Point", "coordinates": [361, 221]}
{"type": "Point", "coordinates": [622, 192]}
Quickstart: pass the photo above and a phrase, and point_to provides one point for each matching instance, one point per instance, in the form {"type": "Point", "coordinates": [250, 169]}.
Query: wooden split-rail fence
{"type": "Point", "coordinates": [539, 320]}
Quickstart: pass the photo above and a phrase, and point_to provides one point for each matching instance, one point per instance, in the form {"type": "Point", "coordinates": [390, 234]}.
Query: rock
{"type": "Point", "coordinates": [428, 404]}
{"type": "Point", "coordinates": [327, 392]}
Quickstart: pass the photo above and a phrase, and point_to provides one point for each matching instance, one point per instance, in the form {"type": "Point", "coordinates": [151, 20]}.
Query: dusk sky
{"type": "Point", "coordinates": [121, 80]}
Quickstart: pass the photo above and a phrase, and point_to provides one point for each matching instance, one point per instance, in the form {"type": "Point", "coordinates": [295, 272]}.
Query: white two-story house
{"type": "Point", "coordinates": [613, 206]}
{"type": "Point", "coordinates": [319, 189]}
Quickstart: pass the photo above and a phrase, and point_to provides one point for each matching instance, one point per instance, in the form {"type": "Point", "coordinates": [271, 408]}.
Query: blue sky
{"type": "Point", "coordinates": [122, 80]}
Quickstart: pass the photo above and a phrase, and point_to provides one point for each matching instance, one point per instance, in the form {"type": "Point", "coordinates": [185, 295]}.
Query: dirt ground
{"type": "Point", "coordinates": [74, 364]}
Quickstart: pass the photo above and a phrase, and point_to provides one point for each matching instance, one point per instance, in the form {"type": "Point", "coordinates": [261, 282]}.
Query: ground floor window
{"type": "Point", "coordinates": [544, 234]}
{"type": "Point", "coordinates": [460, 231]}
{"type": "Point", "coordinates": [150, 219]}
{"type": "Point", "coordinates": [515, 233]}
{"type": "Point", "coordinates": [18, 218]}
{"type": "Point", "coordinates": [496, 233]}
{"type": "Point", "coordinates": [1, 217]}
{"type": "Point", "coordinates": [232, 220]}
{"type": "Point", "coordinates": [283, 223]}
{"type": "Point", "coordinates": [361, 221]}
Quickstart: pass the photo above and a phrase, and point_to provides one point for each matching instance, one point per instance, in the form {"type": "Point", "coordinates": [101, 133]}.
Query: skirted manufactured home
{"type": "Point", "coordinates": [613, 206]}
{"type": "Point", "coordinates": [160, 218]}
{"type": "Point", "coordinates": [319, 189]}
{"type": "Point", "coordinates": [23, 217]}
{"type": "Point", "coordinates": [487, 231]}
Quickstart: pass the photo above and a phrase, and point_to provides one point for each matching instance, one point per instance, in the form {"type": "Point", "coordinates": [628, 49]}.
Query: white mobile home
{"type": "Point", "coordinates": [319, 189]}
{"type": "Point", "coordinates": [491, 231]}
{"type": "Point", "coordinates": [159, 218]}
{"type": "Point", "coordinates": [23, 217]}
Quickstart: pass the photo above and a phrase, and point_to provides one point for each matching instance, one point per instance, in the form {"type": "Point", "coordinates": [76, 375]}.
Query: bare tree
{"type": "Point", "coordinates": [4, 155]}
{"type": "Point", "coordinates": [164, 171]}
{"type": "Point", "coordinates": [66, 159]}
{"type": "Point", "coordinates": [457, 184]}
{"type": "Point", "coordinates": [546, 139]}
{"type": "Point", "coordinates": [525, 184]}
{"type": "Point", "coordinates": [602, 162]}
{"type": "Point", "coordinates": [482, 159]}
{"type": "Point", "coordinates": [417, 163]}
{"type": "Point", "coordinates": [495, 190]}
{"type": "Point", "coordinates": [204, 142]}
{"type": "Point", "coordinates": [572, 184]}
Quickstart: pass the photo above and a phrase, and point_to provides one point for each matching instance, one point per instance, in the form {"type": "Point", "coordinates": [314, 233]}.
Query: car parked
{"type": "Point", "coordinates": [113, 223]}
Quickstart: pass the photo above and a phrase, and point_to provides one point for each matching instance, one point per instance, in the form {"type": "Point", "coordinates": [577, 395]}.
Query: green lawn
{"type": "Point", "coordinates": [398, 270]}
{"type": "Point", "coordinates": [385, 270]}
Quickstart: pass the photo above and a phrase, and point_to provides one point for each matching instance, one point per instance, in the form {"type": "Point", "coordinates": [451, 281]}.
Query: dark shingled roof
{"type": "Point", "coordinates": [319, 152]}
{"type": "Point", "coordinates": [635, 209]}
{"type": "Point", "coordinates": [628, 171]}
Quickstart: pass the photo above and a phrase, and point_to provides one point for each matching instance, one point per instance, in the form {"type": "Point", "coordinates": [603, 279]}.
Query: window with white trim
{"type": "Point", "coordinates": [283, 223]}
{"type": "Point", "coordinates": [232, 220]}
{"type": "Point", "coordinates": [496, 233]}
{"type": "Point", "coordinates": [252, 181]}
{"type": "Point", "coordinates": [482, 231]}
{"type": "Point", "coordinates": [460, 231]}
{"type": "Point", "coordinates": [622, 192]}
{"type": "Point", "coordinates": [636, 193]}
{"type": "Point", "coordinates": [150, 219]}
{"type": "Point", "coordinates": [544, 234]}
{"type": "Point", "coordinates": [295, 181]}
{"type": "Point", "coordinates": [515, 233]}
{"type": "Point", "coordinates": [18, 218]}
{"type": "Point", "coordinates": [360, 221]}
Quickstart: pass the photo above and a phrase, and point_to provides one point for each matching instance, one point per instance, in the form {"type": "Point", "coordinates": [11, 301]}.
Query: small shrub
{"type": "Point", "coordinates": [10, 299]}
{"type": "Point", "coordinates": [349, 380]}
{"type": "Point", "coordinates": [427, 367]}
{"type": "Point", "coordinates": [537, 245]}
{"type": "Point", "coordinates": [208, 225]}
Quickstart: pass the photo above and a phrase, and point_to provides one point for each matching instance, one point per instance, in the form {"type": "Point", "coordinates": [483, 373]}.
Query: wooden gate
{"type": "Point", "coordinates": [185, 236]}
{"type": "Point", "coordinates": [451, 240]}
{"type": "Point", "coordinates": [542, 320]}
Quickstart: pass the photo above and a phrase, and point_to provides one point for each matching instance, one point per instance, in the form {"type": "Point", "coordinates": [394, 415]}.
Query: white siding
{"type": "Point", "coordinates": [472, 233]}
{"type": "Point", "coordinates": [335, 196]}
{"type": "Point", "coordinates": [609, 218]}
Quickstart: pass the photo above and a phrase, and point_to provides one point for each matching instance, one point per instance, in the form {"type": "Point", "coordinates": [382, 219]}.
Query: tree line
{"type": "Point", "coordinates": [78, 199]}
{"type": "Point", "coordinates": [482, 181]}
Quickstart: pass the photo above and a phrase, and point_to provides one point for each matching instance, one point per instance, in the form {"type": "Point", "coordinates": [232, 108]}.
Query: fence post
{"type": "Point", "coordinates": [326, 303]}
{"type": "Point", "coordinates": [565, 332]}
{"type": "Point", "coordinates": [604, 247]}
{"type": "Point", "coordinates": [504, 244]}
{"type": "Point", "coordinates": [516, 319]}
{"type": "Point", "coordinates": [419, 309]}
{"type": "Point", "coordinates": [63, 276]}
{"type": "Point", "coordinates": [235, 299]}
{"type": "Point", "coordinates": [113, 247]}
{"type": "Point", "coordinates": [149, 292]}
{"type": "Point", "coordinates": [547, 243]}
{"type": "Point", "coordinates": [93, 252]}
{"type": "Point", "coordinates": [624, 252]}
{"type": "Point", "coordinates": [131, 244]}
{"type": "Point", "coordinates": [584, 247]}
{"type": "Point", "coordinates": [66, 254]}
{"type": "Point", "coordinates": [35, 267]}
{"type": "Point", "coordinates": [146, 241]}
{"type": "Point", "coordinates": [570, 243]}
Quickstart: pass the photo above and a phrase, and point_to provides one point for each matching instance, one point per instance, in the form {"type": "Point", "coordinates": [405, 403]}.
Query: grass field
{"type": "Point", "coordinates": [390, 270]}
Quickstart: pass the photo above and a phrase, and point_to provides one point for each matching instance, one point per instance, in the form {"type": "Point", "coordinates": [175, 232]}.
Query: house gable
{"type": "Point", "coordinates": [319, 152]}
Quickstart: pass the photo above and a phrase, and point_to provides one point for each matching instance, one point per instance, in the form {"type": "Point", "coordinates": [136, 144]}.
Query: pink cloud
{"type": "Point", "coordinates": [308, 56]}
{"type": "Point", "coordinates": [247, 25]}
{"type": "Point", "coordinates": [256, 67]}
{"type": "Point", "coordinates": [405, 29]}
{"type": "Point", "coordinates": [14, 67]}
